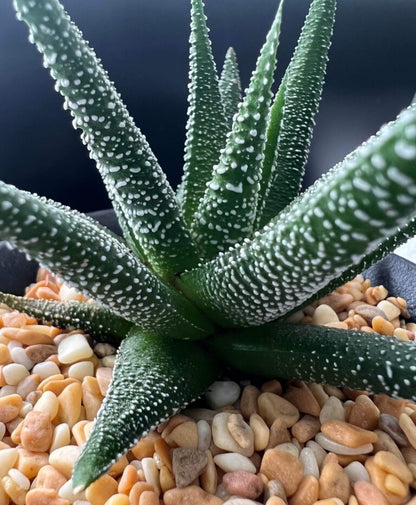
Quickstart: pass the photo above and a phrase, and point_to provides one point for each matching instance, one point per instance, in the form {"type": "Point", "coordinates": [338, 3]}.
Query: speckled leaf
{"type": "Point", "coordinates": [230, 86]}
{"type": "Point", "coordinates": [325, 231]}
{"type": "Point", "coordinates": [95, 320]}
{"type": "Point", "coordinates": [226, 213]}
{"type": "Point", "coordinates": [206, 128]}
{"type": "Point", "coordinates": [93, 260]}
{"type": "Point", "coordinates": [144, 201]}
{"type": "Point", "coordinates": [153, 378]}
{"type": "Point", "coordinates": [338, 357]}
{"type": "Point", "coordinates": [292, 115]}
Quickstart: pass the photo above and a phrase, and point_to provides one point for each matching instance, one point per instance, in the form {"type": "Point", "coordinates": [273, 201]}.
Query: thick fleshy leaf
{"type": "Point", "coordinates": [325, 231]}
{"type": "Point", "coordinates": [230, 86]}
{"type": "Point", "coordinates": [338, 357]}
{"type": "Point", "coordinates": [144, 200]}
{"type": "Point", "coordinates": [206, 128]}
{"type": "Point", "coordinates": [95, 320]}
{"type": "Point", "coordinates": [89, 257]}
{"type": "Point", "coordinates": [153, 378]}
{"type": "Point", "coordinates": [292, 114]}
{"type": "Point", "coordinates": [227, 211]}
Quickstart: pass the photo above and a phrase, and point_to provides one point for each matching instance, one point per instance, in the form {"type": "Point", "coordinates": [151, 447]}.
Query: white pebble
{"type": "Point", "coordinates": [81, 369]}
{"type": "Point", "coordinates": [61, 436]}
{"type": "Point", "coordinates": [288, 447]}
{"type": "Point", "coordinates": [232, 461]}
{"type": "Point", "coordinates": [2, 430]}
{"type": "Point", "coordinates": [26, 408]}
{"type": "Point", "coordinates": [7, 460]}
{"type": "Point", "coordinates": [102, 350]}
{"type": "Point", "coordinates": [204, 435]}
{"type": "Point", "coordinates": [13, 373]}
{"type": "Point", "coordinates": [108, 361]}
{"type": "Point", "coordinates": [308, 460]}
{"type": "Point", "coordinates": [18, 355]}
{"type": "Point", "coordinates": [151, 472]}
{"type": "Point", "coordinates": [222, 393]}
{"type": "Point", "coordinates": [389, 309]}
{"type": "Point", "coordinates": [21, 480]}
{"type": "Point", "coordinates": [49, 403]}
{"type": "Point", "coordinates": [8, 390]}
{"type": "Point", "coordinates": [13, 344]}
{"type": "Point", "coordinates": [46, 369]}
{"type": "Point", "coordinates": [67, 492]}
{"type": "Point", "coordinates": [319, 453]}
{"type": "Point", "coordinates": [241, 501]}
{"type": "Point", "coordinates": [324, 314]}
{"type": "Point", "coordinates": [332, 410]}
{"type": "Point", "coordinates": [356, 471]}
{"type": "Point", "coordinates": [74, 348]}
{"type": "Point", "coordinates": [332, 446]}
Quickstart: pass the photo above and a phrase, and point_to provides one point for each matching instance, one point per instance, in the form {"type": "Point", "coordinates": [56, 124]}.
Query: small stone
{"type": "Point", "coordinates": [243, 484]}
{"type": "Point", "coordinates": [284, 467]}
{"type": "Point", "coordinates": [187, 465]}
{"type": "Point", "coordinates": [101, 490]}
{"type": "Point", "coordinates": [37, 430]}
{"type": "Point", "coordinates": [44, 496]}
{"type": "Point", "coordinates": [223, 439]}
{"type": "Point", "coordinates": [303, 399]}
{"type": "Point", "coordinates": [261, 432]}
{"type": "Point", "coordinates": [70, 404]}
{"type": "Point", "coordinates": [240, 501]}
{"type": "Point", "coordinates": [122, 499]}
{"type": "Point", "coordinates": [80, 370]}
{"type": "Point", "coordinates": [369, 312]}
{"type": "Point", "coordinates": [275, 488]}
{"type": "Point", "coordinates": [232, 462]}
{"type": "Point", "coordinates": [272, 406]}
{"type": "Point", "coordinates": [63, 459]}
{"type": "Point", "coordinates": [409, 429]}
{"type": "Point", "coordinates": [7, 460]}
{"type": "Point", "coordinates": [151, 472]}
{"type": "Point", "coordinates": [391, 406]}
{"type": "Point", "coordinates": [378, 477]}
{"type": "Point", "coordinates": [318, 451]}
{"type": "Point", "coordinates": [309, 463]}
{"type": "Point", "coordinates": [347, 434]}
{"type": "Point", "coordinates": [391, 464]}
{"type": "Point", "coordinates": [332, 446]}
{"type": "Point", "coordinates": [46, 369]}
{"type": "Point", "coordinates": [166, 479]}
{"type": "Point", "coordinates": [74, 348]}
{"type": "Point", "coordinates": [368, 494]}
{"type": "Point", "coordinates": [10, 406]}
{"type": "Point", "coordinates": [222, 393]}
{"type": "Point", "coordinates": [272, 386]}
{"type": "Point", "coordinates": [318, 392]}
{"type": "Point", "coordinates": [40, 352]}
{"type": "Point", "coordinates": [138, 489]}
{"type": "Point", "coordinates": [382, 326]}
{"type": "Point", "coordinates": [334, 482]}
{"type": "Point", "coordinates": [27, 385]}
{"type": "Point", "coordinates": [128, 479]}
{"type": "Point", "coordinates": [209, 478]}
{"type": "Point", "coordinates": [279, 434]}
{"type": "Point", "coordinates": [306, 428]}
{"type": "Point", "coordinates": [307, 492]}
{"type": "Point", "coordinates": [364, 413]}
{"type": "Point", "coordinates": [390, 310]}
{"type": "Point", "coordinates": [240, 431]}
{"type": "Point", "coordinates": [275, 500]}
{"type": "Point", "coordinates": [104, 376]}
{"type": "Point", "coordinates": [29, 463]}
{"type": "Point", "coordinates": [148, 498]}
{"type": "Point", "coordinates": [356, 471]}
{"type": "Point", "coordinates": [386, 443]}
{"type": "Point", "coordinates": [25, 336]}
{"type": "Point", "coordinates": [191, 495]}
{"type": "Point", "coordinates": [184, 435]}
{"type": "Point", "coordinates": [332, 410]}
{"type": "Point", "coordinates": [324, 314]}
{"type": "Point", "coordinates": [13, 373]}
{"type": "Point", "coordinates": [91, 397]}
{"type": "Point", "coordinates": [392, 427]}
{"type": "Point", "coordinates": [248, 401]}
{"type": "Point", "coordinates": [204, 435]}
{"type": "Point", "coordinates": [49, 477]}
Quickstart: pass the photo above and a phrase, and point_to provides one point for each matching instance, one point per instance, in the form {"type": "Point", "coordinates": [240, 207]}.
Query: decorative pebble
{"type": "Point", "coordinates": [13, 373]}
{"type": "Point", "coordinates": [324, 314]}
{"type": "Point", "coordinates": [308, 460]}
{"type": "Point", "coordinates": [19, 356]}
{"type": "Point", "coordinates": [49, 477]}
{"type": "Point", "coordinates": [272, 406]}
{"type": "Point", "coordinates": [101, 490]}
{"type": "Point", "coordinates": [40, 352]}
{"type": "Point", "coordinates": [306, 428]}
{"type": "Point", "coordinates": [391, 464]}
{"type": "Point", "coordinates": [37, 430]}
{"type": "Point", "coordinates": [241, 501]}
{"type": "Point", "coordinates": [81, 369]}
{"type": "Point", "coordinates": [74, 348]}
{"type": "Point", "coordinates": [244, 484]}
{"type": "Point", "coordinates": [368, 494]}
{"type": "Point", "coordinates": [204, 435]}
{"type": "Point", "coordinates": [356, 471]}
{"type": "Point", "coordinates": [364, 413]}
{"type": "Point", "coordinates": [303, 399]}
{"type": "Point", "coordinates": [282, 466]}
{"type": "Point", "coordinates": [248, 401]}
{"type": "Point", "coordinates": [348, 434]}
{"type": "Point", "coordinates": [191, 495]}
{"type": "Point", "coordinates": [63, 459]}
{"type": "Point", "coordinates": [46, 369]}
{"type": "Point", "coordinates": [10, 406]}
{"type": "Point", "coordinates": [232, 462]}
{"type": "Point", "coordinates": [330, 445]}
{"type": "Point", "coordinates": [390, 310]}
{"type": "Point", "coordinates": [184, 435]}
{"type": "Point", "coordinates": [409, 429]}
{"type": "Point", "coordinates": [334, 482]}
{"type": "Point", "coordinates": [261, 432]}
{"type": "Point", "coordinates": [223, 438]}
{"type": "Point", "coordinates": [392, 427]}
{"type": "Point", "coordinates": [187, 465]}
{"type": "Point", "coordinates": [307, 492]}
{"type": "Point", "coordinates": [222, 393]}
{"type": "Point", "coordinates": [7, 460]}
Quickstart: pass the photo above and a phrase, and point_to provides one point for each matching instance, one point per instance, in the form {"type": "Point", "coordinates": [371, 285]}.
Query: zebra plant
{"type": "Point", "coordinates": [209, 275]}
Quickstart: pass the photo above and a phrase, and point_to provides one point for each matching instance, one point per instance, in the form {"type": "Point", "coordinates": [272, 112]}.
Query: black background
{"type": "Point", "coordinates": [144, 46]}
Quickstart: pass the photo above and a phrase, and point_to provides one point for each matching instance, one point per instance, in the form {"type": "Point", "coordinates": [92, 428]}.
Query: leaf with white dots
{"type": "Point", "coordinates": [292, 114]}
{"type": "Point", "coordinates": [356, 359]}
{"type": "Point", "coordinates": [227, 211]}
{"type": "Point", "coordinates": [97, 321]}
{"type": "Point", "coordinates": [230, 86]}
{"type": "Point", "coordinates": [327, 230]}
{"type": "Point", "coordinates": [144, 200]}
{"type": "Point", "coordinates": [153, 378]}
{"type": "Point", "coordinates": [206, 128]}
{"type": "Point", "coordinates": [93, 260]}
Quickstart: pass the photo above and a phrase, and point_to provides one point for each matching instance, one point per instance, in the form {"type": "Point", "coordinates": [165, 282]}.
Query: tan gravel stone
{"type": "Point", "coordinates": [248, 401]}
{"type": "Point", "coordinates": [391, 464]}
{"type": "Point", "coordinates": [149, 498]}
{"type": "Point", "coordinates": [44, 496]}
{"type": "Point", "coordinates": [184, 435]}
{"type": "Point", "coordinates": [348, 434]}
{"type": "Point", "coordinates": [91, 397]}
{"type": "Point", "coordinates": [364, 413]}
{"type": "Point", "coordinates": [122, 499]}
{"type": "Point", "coordinates": [63, 459]}
{"type": "Point", "coordinates": [306, 428]}
{"type": "Point", "coordinates": [145, 447]}
{"type": "Point", "coordinates": [37, 431]}
{"type": "Point", "coordinates": [244, 484]}
{"type": "Point", "coordinates": [261, 432]}
{"type": "Point", "coordinates": [284, 467]}
{"type": "Point", "coordinates": [187, 464]}
{"type": "Point", "coordinates": [10, 406]}
{"type": "Point", "coordinates": [272, 386]}
{"type": "Point", "coordinates": [99, 491]}
{"type": "Point", "coordinates": [378, 478]}
{"type": "Point", "coordinates": [209, 477]}
{"type": "Point", "coordinates": [40, 352]}
{"type": "Point", "coordinates": [388, 405]}
{"type": "Point", "coordinates": [334, 482]}
{"type": "Point", "coordinates": [49, 477]}
{"type": "Point", "coordinates": [272, 406]}
{"type": "Point", "coordinates": [27, 336]}
{"type": "Point", "coordinates": [166, 479]}
{"type": "Point", "coordinates": [279, 434]}
{"type": "Point", "coordinates": [191, 495]}
{"type": "Point", "coordinates": [223, 438]}
{"type": "Point", "coordinates": [324, 314]}
{"type": "Point", "coordinates": [128, 479]}
{"type": "Point", "coordinates": [380, 325]}
{"type": "Point", "coordinates": [103, 376]}
{"type": "Point", "coordinates": [29, 463]}
{"type": "Point", "coordinates": [303, 399]}
{"type": "Point", "coordinates": [307, 492]}
{"type": "Point", "coordinates": [137, 490]}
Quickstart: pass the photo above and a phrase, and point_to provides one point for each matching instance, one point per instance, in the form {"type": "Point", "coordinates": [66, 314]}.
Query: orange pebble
{"type": "Point", "coordinates": [137, 490]}
{"type": "Point", "coordinates": [149, 498]}
{"type": "Point", "coordinates": [128, 479]}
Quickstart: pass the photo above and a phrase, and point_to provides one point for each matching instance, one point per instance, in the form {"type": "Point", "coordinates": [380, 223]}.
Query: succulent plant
{"type": "Point", "coordinates": [209, 275]}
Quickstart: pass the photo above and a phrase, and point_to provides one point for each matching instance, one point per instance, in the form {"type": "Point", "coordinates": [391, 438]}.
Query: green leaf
{"type": "Point", "coordinates": [206, 128]}
{"type": "Point", "coordinates": [144, 201]}
{"type": "Point", "coordinates": [227, 211]}
{"type": "Point", "coordinates": [153, 378]}
{"type": "Point", "coordinates": [292, 115]}
{"type": "Point", "coordinates": [95, 320]}
{"type": "Point", "coordinates": [94, 261]}
{"type": "Point", "coordinates": [320, 354]}
{"type": "Point", "coordinates": [230, 86]}
{"type": "Point", "coordinates": [324, 232]}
